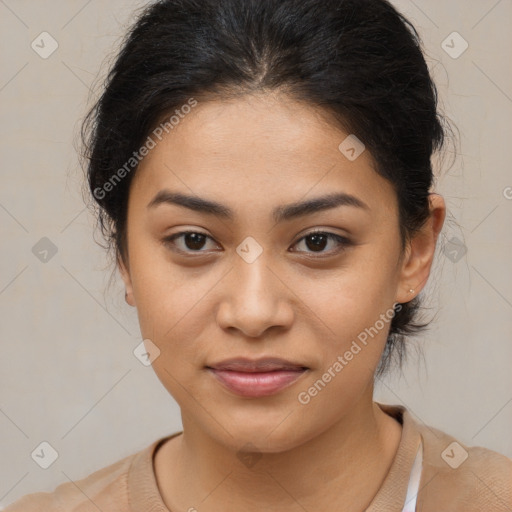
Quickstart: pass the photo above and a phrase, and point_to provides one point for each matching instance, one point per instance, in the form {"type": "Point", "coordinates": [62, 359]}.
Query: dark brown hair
{"type": "Point", "coordinates": [360, 61]}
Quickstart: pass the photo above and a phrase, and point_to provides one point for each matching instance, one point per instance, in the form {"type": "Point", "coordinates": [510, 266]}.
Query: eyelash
{"type": "Point", "coordinates": [345, 242]}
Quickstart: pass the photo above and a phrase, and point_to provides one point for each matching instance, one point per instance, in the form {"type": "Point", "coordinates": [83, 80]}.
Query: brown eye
{"type": "Point", "coordinates": [316, 242]}
{"type": "Point", "coordinates": [192, 241]}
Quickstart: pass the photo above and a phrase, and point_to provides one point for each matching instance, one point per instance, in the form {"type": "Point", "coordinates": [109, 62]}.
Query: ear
{"type": "Point", "coordinates": [419, 253]}
{"type": "Point", "coordinates": [125, 274]}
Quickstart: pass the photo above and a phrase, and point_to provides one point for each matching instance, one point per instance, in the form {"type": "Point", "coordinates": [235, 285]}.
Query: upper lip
{"type": "Point", "coordinates": [266, 364]}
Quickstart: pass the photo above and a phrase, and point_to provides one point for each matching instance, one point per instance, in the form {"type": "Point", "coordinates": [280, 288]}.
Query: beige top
{"type": "Point", "coordinates": [454, 478]}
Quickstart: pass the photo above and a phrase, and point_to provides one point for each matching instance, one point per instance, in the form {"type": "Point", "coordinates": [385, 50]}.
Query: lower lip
{"type": "Point", "coordinates": [258, 383]}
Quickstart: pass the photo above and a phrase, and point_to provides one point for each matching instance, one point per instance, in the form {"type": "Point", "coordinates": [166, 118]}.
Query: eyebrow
{"type": "Point", "coordinates": [280, 213]}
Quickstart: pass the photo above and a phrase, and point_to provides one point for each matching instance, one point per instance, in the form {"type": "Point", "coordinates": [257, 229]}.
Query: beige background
{"type": "Point", "coordinates": [67, 372]}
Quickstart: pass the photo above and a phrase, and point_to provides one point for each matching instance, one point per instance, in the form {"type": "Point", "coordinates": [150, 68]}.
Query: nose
{"type": "Point", "coordinates": [255, 299]}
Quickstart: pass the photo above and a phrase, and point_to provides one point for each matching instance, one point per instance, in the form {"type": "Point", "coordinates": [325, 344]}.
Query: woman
{"type": "Point", "coordinates": [262, 171]}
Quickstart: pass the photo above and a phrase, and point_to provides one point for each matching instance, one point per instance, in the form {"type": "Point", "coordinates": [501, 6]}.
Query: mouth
{"type": "Point", "coordinates": [256, 378]}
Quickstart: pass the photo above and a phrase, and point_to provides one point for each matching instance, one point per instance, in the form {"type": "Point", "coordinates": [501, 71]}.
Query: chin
{"type": "Point", "coordinates": [263, 436]}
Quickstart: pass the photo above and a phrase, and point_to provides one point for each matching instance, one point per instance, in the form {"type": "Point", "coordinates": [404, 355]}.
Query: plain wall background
{"type": "Point", "coordinates": [67, 372]}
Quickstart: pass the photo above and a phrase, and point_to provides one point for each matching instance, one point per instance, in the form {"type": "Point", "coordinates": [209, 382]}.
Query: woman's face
{"type": "Point", "coordinates": [254, 282]}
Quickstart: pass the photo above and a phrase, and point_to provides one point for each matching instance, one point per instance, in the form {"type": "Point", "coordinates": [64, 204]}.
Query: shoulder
{"type": "Point", "coordinates": [105, 489]}
{"type": "Point", "coordinates": [460, 477]}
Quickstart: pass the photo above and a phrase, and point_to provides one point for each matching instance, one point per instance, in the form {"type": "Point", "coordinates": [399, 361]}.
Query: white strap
{"type": "Point", "coordinates": [414, 482]}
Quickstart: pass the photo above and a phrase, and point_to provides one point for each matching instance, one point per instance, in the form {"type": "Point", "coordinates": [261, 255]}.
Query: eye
{"type": "Point", "coordinates": [194, 241]}
{"type": "Point", "coordinates": [317, 241]}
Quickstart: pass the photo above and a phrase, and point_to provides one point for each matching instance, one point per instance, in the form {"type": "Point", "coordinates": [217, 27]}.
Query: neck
{"type": "Point", "coordinates": [194, 470]}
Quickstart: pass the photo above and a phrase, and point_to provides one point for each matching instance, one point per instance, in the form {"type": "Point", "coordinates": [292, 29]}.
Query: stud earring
{"type": "Point", "coordinates": [411, 291]}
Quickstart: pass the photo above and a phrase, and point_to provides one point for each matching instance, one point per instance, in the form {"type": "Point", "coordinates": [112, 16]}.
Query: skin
{"type": "Point", "coordinates": [252, 154]}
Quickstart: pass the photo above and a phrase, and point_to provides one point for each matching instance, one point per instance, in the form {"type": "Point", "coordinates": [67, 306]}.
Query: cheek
{"type": "Point", "coordinates": [166, 308]}
{"type": "Point", "coordinates": [162, 295]}
{"type": "Point", "coordinates": [356, 305]}
{"type": "Point", "coordinates": [175, 311]}
{"type": "Point", "coordinates": [349, 358]}
{"type": "Point", "coordinates": [352, 298]}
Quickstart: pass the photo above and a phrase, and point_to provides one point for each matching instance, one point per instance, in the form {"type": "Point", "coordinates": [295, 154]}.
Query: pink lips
{"type": "Point", "coordinates": [256, 378]}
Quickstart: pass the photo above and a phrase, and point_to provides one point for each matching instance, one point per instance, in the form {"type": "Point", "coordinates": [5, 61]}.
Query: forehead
{"type": "Point", "coordinates": [259, 149]}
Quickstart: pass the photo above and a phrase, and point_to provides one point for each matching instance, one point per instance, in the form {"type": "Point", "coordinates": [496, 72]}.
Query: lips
{"type": "Point", "coordinates": [256, 378]}
{"type": "Point", "coordinates": [267, 364]}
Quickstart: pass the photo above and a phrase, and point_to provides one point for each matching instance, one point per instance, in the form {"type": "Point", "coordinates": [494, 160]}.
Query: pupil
{"type": "Point", "coordinates": [197, 240]}
{"type": "Point", "coordinates": [316, 241]}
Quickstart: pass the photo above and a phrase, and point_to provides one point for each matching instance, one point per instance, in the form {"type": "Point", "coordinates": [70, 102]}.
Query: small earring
{"type": "Point", "coordinates": [411, 291]}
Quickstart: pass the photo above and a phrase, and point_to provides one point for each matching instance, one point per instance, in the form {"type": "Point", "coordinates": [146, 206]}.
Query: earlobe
{"type": "Point", "coordinates": [420, 252]}
{"type": "Point", "coordinates": [128, 297]}
{"type": "Point", "coordinates": [125, 275]}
